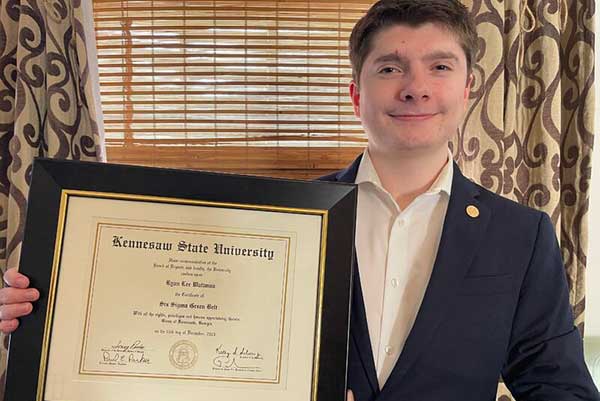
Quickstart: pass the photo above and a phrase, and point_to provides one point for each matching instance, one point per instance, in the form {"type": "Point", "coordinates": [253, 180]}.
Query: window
{"type": "Point", "coordinates": [255, 87]}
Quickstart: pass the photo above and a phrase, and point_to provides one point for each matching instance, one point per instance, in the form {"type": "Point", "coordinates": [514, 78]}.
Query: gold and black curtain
{"type": "Point", "coordinates": [49, 103]}
{"type": "Point", "coordinates": [529, 132]}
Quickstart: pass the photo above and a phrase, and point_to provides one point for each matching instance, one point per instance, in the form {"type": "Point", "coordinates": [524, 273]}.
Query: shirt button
{"type": "Point", "coordinates": [388, 350]}
{"type": "Point", "coordinates": [394, 283]}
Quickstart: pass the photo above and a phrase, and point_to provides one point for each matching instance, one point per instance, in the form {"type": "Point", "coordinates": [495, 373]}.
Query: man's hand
{"type": "Point", "coordinates": [350, 396]}
{"type": "Point", "coordinates": [15, 300]}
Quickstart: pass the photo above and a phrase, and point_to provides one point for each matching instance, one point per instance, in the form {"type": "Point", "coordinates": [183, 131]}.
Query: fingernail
{"type": "Point", "coordinates": [32, 295]}
{"type": "Point", "coordinates": [22, 282]}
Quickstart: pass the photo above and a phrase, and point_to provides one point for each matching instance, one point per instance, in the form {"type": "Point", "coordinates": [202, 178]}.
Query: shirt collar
{"type": "Point", "coordinates": [443, 182]}
{"type": "Point", "coordinates": [366, 171]}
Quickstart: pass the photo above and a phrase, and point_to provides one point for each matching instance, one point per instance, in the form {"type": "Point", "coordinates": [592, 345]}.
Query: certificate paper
{"type": "Point", "coordinates": [193, 293]}
{"type": "Point", "coordinates": [215, 311]}
{"type": "Point", "coordinates": [164, 285]}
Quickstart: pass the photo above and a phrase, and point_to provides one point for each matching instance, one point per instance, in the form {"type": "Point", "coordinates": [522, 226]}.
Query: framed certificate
{"type": "Point", "coordinates": [163, 285]}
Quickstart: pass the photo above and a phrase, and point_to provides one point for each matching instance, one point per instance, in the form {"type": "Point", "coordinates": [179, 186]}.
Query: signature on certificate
{"type": "Point", "coordinates": [125, 353]}
{"type": "Point", "coordinates": [238, 358]}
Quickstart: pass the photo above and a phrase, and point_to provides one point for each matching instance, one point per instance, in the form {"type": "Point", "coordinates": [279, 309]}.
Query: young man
{"type": "Point", "coordinates": [455, 286]}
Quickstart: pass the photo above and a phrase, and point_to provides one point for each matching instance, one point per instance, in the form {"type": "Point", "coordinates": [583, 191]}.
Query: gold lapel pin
{"type": "Point", "coordinates": [472, 211]}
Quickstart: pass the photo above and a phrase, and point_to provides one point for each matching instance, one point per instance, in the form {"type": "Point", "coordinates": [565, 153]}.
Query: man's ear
{"type": "Point", "coordinates": [467, 92]}
{"type": "Point", "coordinates": [355, 97]}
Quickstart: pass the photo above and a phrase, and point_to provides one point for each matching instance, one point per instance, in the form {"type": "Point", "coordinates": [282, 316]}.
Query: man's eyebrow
{"type": "Point", "coordinates": [441, 55]}
{"type": "Point", "coordinates": [391, 58]}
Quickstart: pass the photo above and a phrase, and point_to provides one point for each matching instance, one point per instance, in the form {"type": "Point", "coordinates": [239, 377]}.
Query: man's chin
{"type": "Point", "coordinates": [416, 147]}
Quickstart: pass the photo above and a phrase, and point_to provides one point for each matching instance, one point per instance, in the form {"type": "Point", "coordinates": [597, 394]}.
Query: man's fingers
{"type": "Point", "coordinates": [15, 279]}
{"type": "Point", "coordinates": [8, 326]}
{"type": "Point", "coordinates": [8, 312]}
{"type": "Point", "coordinates": [10, 295]}
{"type": "Point", "coordinates": [350, 396]}
{"type": "Point", "coordinates": [15, 300]}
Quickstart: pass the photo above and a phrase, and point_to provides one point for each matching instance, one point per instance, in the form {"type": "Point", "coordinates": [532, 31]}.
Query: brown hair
{"type": "Point", "coordinates": [448, 13]}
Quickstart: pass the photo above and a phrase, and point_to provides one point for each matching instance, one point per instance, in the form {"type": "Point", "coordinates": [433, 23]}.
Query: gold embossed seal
{"type": "Point", "coordinates": [183, 354]}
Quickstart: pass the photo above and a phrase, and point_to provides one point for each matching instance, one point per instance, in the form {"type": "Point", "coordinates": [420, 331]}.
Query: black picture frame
{"type": "Point", "coordinates": [51, 178]}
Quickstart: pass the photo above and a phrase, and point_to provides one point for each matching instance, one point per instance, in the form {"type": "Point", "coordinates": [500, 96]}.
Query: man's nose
{"type": "Point", "coordinates": [415, 88]}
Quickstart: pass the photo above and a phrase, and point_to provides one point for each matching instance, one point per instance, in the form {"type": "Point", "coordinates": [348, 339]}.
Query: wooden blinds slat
{"type": "Point", "coordinates": [190, 75]}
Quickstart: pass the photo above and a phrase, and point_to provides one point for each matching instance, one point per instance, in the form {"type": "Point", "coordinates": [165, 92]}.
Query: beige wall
{"type": "Point", "coordinates": [592, 312]}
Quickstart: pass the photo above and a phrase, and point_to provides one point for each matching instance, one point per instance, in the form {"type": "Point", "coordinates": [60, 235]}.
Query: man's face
{"type": "Point", "coordinates": [413, 89]}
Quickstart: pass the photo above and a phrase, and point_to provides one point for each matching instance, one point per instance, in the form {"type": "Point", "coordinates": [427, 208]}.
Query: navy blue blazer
{"type": "Point", "coordinates": [497, 304]}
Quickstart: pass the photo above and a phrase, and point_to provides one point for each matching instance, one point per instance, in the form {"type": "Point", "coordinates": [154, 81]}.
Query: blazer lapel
{"type": "Point", "coordinates": [359, 328]}
{"type": "Point", "coordinates": [458, 246]}
{"type": "Point", "coordinates": [349, 173]}
{"type": "Point", "coordinates": [359, 331]}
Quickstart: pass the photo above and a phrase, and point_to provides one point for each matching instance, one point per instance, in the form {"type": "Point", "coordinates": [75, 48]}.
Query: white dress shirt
{"type": "Point", "coordinates": [396, 250]}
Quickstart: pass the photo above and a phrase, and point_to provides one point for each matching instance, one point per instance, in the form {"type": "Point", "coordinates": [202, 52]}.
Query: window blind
{"type": "Point", "coordinates": [244, 86]}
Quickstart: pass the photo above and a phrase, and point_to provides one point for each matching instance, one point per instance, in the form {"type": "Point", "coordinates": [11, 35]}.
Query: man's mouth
{"type": "Point", "coordinates": [412, 116]}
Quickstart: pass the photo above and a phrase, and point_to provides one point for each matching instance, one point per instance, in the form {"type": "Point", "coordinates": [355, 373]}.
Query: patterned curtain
{"type": "Point", "coordinates": [49, 103]}
{"type": "Point", "coordinates": [528, 134]}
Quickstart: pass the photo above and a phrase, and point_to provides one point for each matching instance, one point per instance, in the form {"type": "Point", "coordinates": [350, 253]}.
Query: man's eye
{"type": "Point", "coordinates": [442, 67]}
{"type": "Point", "coordinates": [388, 70]}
